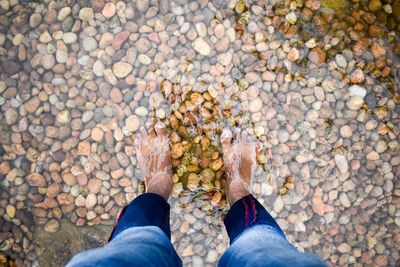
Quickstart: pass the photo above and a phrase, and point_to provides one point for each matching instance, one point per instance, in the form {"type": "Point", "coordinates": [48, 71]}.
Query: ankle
{"type": "Point", "coordinates": [237, 190]}
{"type": "Point", "coordinates": [160, 184]}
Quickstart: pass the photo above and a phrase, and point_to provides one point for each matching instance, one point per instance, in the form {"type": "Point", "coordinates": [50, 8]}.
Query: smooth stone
{"type": "Point", "coordinates": [69, 37]}
{"type": "Point", "coordinates": [89, 44]}
{"type": "Point", "coordinates": [122, 69]}
{"type": "Point", "coordinates": [356, 90]}
{"type": "Point", "coordinates": [355, 102]}
{"type": "Point", "coordinates": [341, 163]}
{"type": "Point", "coordinates": [201, 47]}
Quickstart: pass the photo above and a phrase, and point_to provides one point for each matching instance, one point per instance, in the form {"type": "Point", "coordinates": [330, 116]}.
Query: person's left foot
{"type": "Point", "coordinates": [153, 155]}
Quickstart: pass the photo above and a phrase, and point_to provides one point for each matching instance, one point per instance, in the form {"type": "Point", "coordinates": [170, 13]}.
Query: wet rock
{"type": "Point", "coordinates": [94, 185]}
{"type": "Point", "coordinates": [11, 67]}
{"type": "Point", "coordinates": [109, 10]}
{"type": "Point", "coordinates": [132, 123]}
{"type": "Point", "coordinates": [317, 56]}
{"type": "Point", "coordinates": [84, 148]}
{"type": "Point", "coordinates": [36, 179]}
{"type": "Point", "coordinates": [64, 117]}
{"type": "Point", "coordinates": [355, 102]}
{"type": "Point", "coordinates": [341, 163]}
{"type": "Point", "coordinates": [357, 76]}
{"type": "Point", "coordinates": [201, 46]}
{"type": "Point", "coordinates": [11, 116]}
{"type": "Point", "coordinates": [48, 61]}
{"type": "Point", "coordinates": [318, 205]}
{"type": "Point", "coordinates": [52, 226]}
{"type": "Point", "coordinates": [356, 90]}
{"type": "Point", "coordinates": [374, 5]}
{"type": "Point", "coordinates": [34, 20]}
{"type": "Point", "coordinates": [32, 105]}
{"type": "Point", "coordinates": [86, 14]}
{"type": "Point", "coordinates": [122, 69]}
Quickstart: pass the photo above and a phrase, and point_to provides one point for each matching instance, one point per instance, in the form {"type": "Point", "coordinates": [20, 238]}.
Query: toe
{"type": "Point", "coordinates": [244, 136]}
{"type": "Point", "coordinates": [237, 134]}
{"type": "Point", "coordinates": [151, 132]}
{"type": "Point", "coordinates": [226, 139]}
{"type": "Point", "coordinates": [143, 133]}
{"type": "Point", "coordinates": [160, 129]}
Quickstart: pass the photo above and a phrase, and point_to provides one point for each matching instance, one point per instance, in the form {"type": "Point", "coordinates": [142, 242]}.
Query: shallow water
{"type": "Point", "coordinates": [316, 87]}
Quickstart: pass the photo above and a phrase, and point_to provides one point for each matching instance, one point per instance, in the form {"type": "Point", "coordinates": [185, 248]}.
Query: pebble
{"type": "Point", "coordinates": [52, 226]}
{"type": "Point", "coordinates": [63, 13]}
{"type": "Point", "coordinates": [357, 76]}
{"type": "Point", "coordinates": [86, 14]}
{"type": "Point", "coordinates": [122, 69]}
{"type": "Point", "coordinates": [144, 59]}
{"type": "Point", "coordinates": [69, 37]}
{"type": "Point", "coordinates": [283, 136]}
{"type": "Point", "coordinates": [89, 44]}
{"type": "Point", "coordinates": [341, 163]}
{"type": "Point", "coordinates": [255, 105]}
{"type": "Point", "coordinates": [355, 102]}
{"type": "Point", "coordinates": [64, 117]}
{"type": "Point", "coordinates": [90, 201]}
{"type": "Point", "coordinates": [344, 200]}
{"type": "Point", "coordinates": [132, 123]}
{"type": "Point", "coordinates": [10, 211]}
{"type": "Point", "coordinates": [346, 131]}
{"type": "Point", "coordinates": [109, 10]}
{"type": "Point", "coordinates": [291, 17]}
{"type": "Point", "coordinates": [373, 155]}
{"type": "Point", "coordinates": [356, 90]}
{"type": "Point", "coordinates": [317, 56]}
{"type": "Point", "coordinates": [98, 68]}
{"type": "Point", "coordinates": [201, 47]}
{"type": "Point", "coordinates": [341, 61]}
{"type": "Point", "coordinates": [48, 61]}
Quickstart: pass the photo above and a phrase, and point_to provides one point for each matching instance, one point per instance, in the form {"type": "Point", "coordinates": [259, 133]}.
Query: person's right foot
{"type": "Point", "coordinates": [239, 153]}
{"type": "Point", "coordinates": [154, 159]}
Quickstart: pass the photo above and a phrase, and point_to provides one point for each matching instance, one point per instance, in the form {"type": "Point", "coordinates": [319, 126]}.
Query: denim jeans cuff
{"type": "Point", "coordinates": [246, 213]}
{"type": "Point", "coordinates": [146, 210]}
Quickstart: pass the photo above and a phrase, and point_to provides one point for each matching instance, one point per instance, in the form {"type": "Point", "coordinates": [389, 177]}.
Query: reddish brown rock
{"type": "Point", "coordinates": [109, 10]}
{"type": "Point", "coordinates": [376, 31]}
{"type": "Point", "coordinates": [50, 202]}
{"type": "Point", "coordinates": [317, 203]}
{"type": "Point", "coordinates": [377, 50]}
{"type": "Point", "coordinates": [84, 148]}
{"type": "Point", "coordinates": [317, 56]}
{"type": "Point", "coordinates": [53, 190]}
{"type": "Point", "coordinates": [94, 185]}
{"type": "Point", "coordinates": [69, 179]}
{"type": "Point", "coordinates": [5, 168]}
{"type": "Point", "coordinates": [97, 134]}
{"type": "Point", "coordinates": [65, 199]}
{"type": "Point", "coordinates": [119, 40]}
{"type": "Point", "coordinates": [81, 212]}
{"type": "Point", "coordinates": [36, 179]}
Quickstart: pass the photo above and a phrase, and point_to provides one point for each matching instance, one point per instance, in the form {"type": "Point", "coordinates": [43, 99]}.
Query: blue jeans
{"type": "Point", "coordinates": [142, 238]}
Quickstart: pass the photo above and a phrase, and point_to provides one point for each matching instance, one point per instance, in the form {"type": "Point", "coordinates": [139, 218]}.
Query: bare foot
{"type": "Point", "coordinates": [240, 160]}
{"type": "Point", "coordinates": [154, 159]}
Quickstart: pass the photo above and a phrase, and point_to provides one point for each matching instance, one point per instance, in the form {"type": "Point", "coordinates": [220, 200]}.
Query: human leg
{"type": "Point", "coordinates": [256, 239]}
{"type": "Point", "coordinates": [140, 238]}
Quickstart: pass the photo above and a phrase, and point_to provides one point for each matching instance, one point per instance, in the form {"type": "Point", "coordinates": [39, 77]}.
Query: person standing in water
{"type": "Point", "coordinates": [142, 234]}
